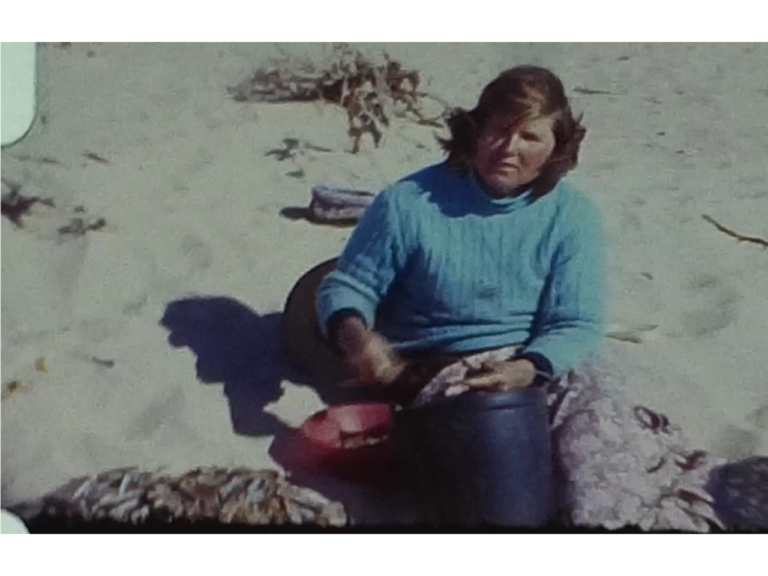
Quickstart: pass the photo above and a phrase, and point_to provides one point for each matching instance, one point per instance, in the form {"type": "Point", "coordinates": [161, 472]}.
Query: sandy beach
{"type": "Point", "coordinates": [192, 194]}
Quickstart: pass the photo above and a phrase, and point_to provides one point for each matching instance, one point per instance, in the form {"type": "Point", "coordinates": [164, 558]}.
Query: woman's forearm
{"type": "Point", "coordinates": [372, 258]}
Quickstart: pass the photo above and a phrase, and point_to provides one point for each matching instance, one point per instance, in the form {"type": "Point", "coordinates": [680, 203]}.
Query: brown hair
{"type": "Point", "coordinates": [523, 91]}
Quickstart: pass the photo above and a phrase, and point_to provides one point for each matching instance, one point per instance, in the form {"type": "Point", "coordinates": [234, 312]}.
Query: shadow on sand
{"type": "Point", "coordinates": [238, 348]}
{"type": "Point", "coordinates": [243, 350]}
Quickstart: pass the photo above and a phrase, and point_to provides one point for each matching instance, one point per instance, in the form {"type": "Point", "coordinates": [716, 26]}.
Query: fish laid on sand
{"type": "Point", "coordinates": [238, 496]}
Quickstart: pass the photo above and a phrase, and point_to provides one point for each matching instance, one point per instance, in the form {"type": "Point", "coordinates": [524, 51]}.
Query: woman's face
{"type": "Point", "coordinates": [511, 154]}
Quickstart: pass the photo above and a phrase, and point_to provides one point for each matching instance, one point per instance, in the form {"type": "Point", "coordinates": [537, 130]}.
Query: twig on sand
{"type": "Point", "coordinates": [38, 159]}
{"type": "Point", "coordinates": [591, 91]}
{"type": "Point", "coordinates": [95, 157]}
{"type": "Point", "coordinates": [733, 234]}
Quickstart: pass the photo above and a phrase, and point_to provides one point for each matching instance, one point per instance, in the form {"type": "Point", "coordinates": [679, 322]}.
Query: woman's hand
{"type": "Point", "coordinates": [368, 355]}
{"type": "Point", "coordinates": [375, 362]}
{"type": "Point", "coordinates": [504, 376]}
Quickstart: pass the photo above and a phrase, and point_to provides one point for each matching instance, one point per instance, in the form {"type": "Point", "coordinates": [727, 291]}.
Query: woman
{"type": "Point", "coordinates": [489, 269]}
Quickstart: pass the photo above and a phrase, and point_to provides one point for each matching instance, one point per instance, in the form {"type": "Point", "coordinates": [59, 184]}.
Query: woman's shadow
{"type": "Point", "coordinates": [236, 347]}
{"type": "Point", "coordinates": [243, 350]}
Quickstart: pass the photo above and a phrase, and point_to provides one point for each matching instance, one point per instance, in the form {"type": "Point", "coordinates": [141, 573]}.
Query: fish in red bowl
{"type": "Point", "coordinates": [349, 441]}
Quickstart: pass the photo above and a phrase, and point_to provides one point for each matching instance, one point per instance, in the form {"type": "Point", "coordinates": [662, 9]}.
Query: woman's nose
{"type": "Point", "coordinates": [513, 144]}
{"type": "Point", "coordinates": [507, 145]}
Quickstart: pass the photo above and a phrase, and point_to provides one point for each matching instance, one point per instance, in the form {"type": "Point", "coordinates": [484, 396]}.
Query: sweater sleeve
{"type": "Point", "coordinates": [368, 265]}
{"type": "Point", "coordinates": [571, 312]}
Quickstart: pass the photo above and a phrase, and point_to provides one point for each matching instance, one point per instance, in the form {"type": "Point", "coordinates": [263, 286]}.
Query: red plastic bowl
{"type": "Point", "coordinates": [333, 440]}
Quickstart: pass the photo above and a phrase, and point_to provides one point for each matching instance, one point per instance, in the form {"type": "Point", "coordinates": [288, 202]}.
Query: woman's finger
{"type": "Point", "coordinates": [485, 381]}
{"type": "Point", "coordinates": [516, 384]}
{"type": "Point", "coordinates": [388, 372]}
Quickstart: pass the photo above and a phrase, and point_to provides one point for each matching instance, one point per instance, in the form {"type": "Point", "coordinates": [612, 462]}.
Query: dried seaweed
{"type": "Point", "coordinates": [95, 157]}
{"type": "Point", "coordinates": [78, 226]}
{"type": "Point", "coordinates": [370, 93]}
{"type": "Point", "coordinates": [291, 146]}
{"type": "Point", "coordinates": [15, 205]}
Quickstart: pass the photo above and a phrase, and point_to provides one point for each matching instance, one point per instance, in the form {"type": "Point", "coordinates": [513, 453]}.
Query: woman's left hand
{"type": "Point", "coordinates": [504, 376]}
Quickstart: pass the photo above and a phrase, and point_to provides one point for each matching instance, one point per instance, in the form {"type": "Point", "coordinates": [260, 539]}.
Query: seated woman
{"type": "Point", "coordinates": [490, 268]}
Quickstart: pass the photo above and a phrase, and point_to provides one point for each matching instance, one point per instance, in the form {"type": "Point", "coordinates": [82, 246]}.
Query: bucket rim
{"type": "Point", "coordinates": [480, 400]}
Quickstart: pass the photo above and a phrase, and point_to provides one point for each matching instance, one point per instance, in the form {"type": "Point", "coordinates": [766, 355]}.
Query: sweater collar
{"type": "Point", "coordinates": [497, 204]}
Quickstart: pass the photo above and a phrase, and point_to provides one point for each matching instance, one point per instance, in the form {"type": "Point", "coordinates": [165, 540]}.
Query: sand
{"type": "Point", "coordinates": [193, 199]}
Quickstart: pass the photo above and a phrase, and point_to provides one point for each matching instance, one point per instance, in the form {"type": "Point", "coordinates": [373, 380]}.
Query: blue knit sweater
{"type": "Point", "coordinates": [437, 264]}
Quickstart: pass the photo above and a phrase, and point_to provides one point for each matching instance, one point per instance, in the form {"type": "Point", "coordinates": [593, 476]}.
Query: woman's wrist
{"type": "Point", "coordinates": [351, 335]}
{"type": "Point", "coordinates": [341, 327]}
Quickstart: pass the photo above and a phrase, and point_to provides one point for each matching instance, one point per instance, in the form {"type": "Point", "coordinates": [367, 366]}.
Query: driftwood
{"type": "Point", "coordinates": [370, 93]}
{"type": "Point", "coordinates": [739, 237]}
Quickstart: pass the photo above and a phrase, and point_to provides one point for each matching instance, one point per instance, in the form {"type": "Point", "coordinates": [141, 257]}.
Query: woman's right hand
{"type": "Point", "coordinates": [375, 362]}
{"type": "Point", "coordinates": [369, 357]}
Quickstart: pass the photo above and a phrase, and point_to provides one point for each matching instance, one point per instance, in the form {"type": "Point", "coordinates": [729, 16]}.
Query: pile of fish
{"type": "Point", "coordinates": [238, 496]}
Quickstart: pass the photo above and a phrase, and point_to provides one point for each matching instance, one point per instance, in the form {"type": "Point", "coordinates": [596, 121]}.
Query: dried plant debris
{"type": "Point", "coordinates": [12, 388]}
{"type": "Point", "coordinates": [292, 146]}
{"type": "Point", "coordinates": [80, 223]}
{"type": "Point", "coordinates": [103, 362]}
{"type": "Point", "coordinates": [38, 159]}
{"type": "Point", "coordinates": [41, 365]}
{"type": "Point", "coordinates": [15, 205]}
{"type": "Point", "coordinates": [226, 495]}
{"type": "Point", "coordinates": [591, 91]}
{"type": "Point", "coordinates": [95, 157]}
{"type": "Point", "coordinates": [371, 93]}
{"type": "Point", "coordinates": [80, 226]}
{"type": "Point", "coordinates": [60, 45]}
{"type": "Point", "coordinates": [66, 43]}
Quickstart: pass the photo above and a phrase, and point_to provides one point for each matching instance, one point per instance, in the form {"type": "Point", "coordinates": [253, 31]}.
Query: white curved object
{"type": "Point", "coordinates": [10, 524]}
{"type": "Point", "coordinates": [17, 90]}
